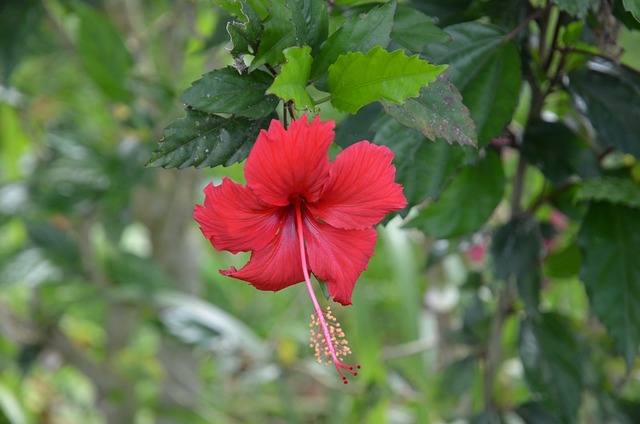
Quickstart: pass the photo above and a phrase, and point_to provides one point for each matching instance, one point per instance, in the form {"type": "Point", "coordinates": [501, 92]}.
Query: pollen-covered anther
{"type": "Point", "coordinates": [329, 343]}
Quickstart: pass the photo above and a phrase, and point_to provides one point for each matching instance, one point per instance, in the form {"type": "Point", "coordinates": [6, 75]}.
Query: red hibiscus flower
{"type": "Point", "coordinates": [299, 212]}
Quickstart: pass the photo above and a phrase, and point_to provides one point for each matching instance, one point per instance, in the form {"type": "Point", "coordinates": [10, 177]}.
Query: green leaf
{"type": "Point", "coordinates": [558, 152]}
{"type": "Point", "coordinates": [19, 25]}
{"type": "Point", "coordinates": [609, 95]}
{"type": "Point", "coordinates": [457, 378]}
{"type": "Point", "coordinates": [200, 139]}
{"type": "Point", "coordinates": [358, 34]}
{"type": "Point", "coordinates": [291, 83]}
{"type": "Point", "coordinates": [279, 33]}
{"type": "Point", "coordinates": [245, 34]}
{"type": "Point", "coordinates": [552, 362]}
{"type": "Point", "coordinates": [103, 52]}
{"type": "Point", "coordinates": [423, 167]}
{"type": "Point", "coordinates": [357, 79]}
{"type": "Point", "coordinates": [486, 70]}
{"type": "Point", "coordinates": [534, 412]}
{"type": "Point", "coordinates": [311, 20]}
{"type": "Point", "coordinates": [227, 91]}
{"type": "Point", "coordinates": [610, 240]}
{"type": "Point", "coordinates": [413, 29]}
{"type": "Point", "coordinates": [446, 11]}
{"type": "Point", "coordinates": [632, 6]}
{"type": "Point", "coordinates": [467, 203]}
{"type": "Point", "coordinates": [516, 250]}
{"type": "Point", "coordinates": [564, 263]}
{"type": "Point", "coordinates": [578, 8]}
{"type": "Point", "coordinates": [437, 113]}
{"type": "Point", "coordinates": [621, 191]}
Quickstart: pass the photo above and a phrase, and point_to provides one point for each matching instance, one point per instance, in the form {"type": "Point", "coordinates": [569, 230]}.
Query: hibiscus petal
{"type": "Point", "coordinates": [361, 189]}
{"type": "Point", "coordinates": [290, 162]}
{"type": "Point", "coordinates": [338, 256]}
{"type": "Point", "coordinates": [234, 219]}
{"type": "Point", "coordinates": [278, 265]}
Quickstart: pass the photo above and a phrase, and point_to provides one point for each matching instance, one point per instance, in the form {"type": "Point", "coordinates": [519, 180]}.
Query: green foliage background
{"type": "Point", "coordinates": [510, 292]}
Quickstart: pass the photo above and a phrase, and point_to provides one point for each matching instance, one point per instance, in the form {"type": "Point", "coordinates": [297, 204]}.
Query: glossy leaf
{"type": "Point", "coordinates": [621, 191]}
{"type": "Point", "coordinates": [103, 52]}
{"type": "Point", "coordinates": [609, 95]}
{"type": "Point", "coordinates": [516, 250]}
{"type": "Point", "coordinates": [278, 34]}
{"type": "Point", "coordinates": [311, 22]}
{"type": "Point", "coordinates": [356, 79]}
{"type": "Point", "coordinates": [200, 139]}
{"type": "Point", "coordinates": [478, 186]}
{"type": "Point", "coordinates": [227, 91]}
{"type": "Point", "coordinates": [558, 152]}
{"type": "Point", "coordinates": [610, 241]}
{"type": "Point", "coordinates": [552, 362]}
{"type": "Point", "coordinates": [486, 70]}
{"type": "Point", "coordinates": [437, 113]}
{"type": "Point", "coordinates": [357, 34]}
{"type": "Point", "coordinates": [413, 29]}
{"type": "Point", "coordinates": [291, 83]}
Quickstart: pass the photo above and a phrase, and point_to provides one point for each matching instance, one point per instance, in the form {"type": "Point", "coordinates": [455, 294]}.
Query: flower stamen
{"type": "Point", "coordinates": [327, 338]}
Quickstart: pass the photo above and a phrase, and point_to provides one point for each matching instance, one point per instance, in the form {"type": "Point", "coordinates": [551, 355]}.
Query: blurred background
{"type": "Point", "coordinates": [111, 306]}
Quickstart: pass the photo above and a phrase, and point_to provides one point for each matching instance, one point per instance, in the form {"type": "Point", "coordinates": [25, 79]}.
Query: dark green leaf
{"type": "Point", "coordinates": [358, 126]}
{"type": "Point", "coordinates": [516, 250]}
{"type": "Point", "coordinates": [535, 413]}
{"type": "Point", "coordinates": [227, 91]}
{"type": "Point", "coordinates": [311, 21]}
{"type": "Point", "coordinates": [357, 79]}
{"type": "Point", "coordinates": [610, 240]}
{"type": "Point", "coordinates": [103, 52]}
{"type": "Point", "coordinates": [437, 113]}
{"type": "Point", "coordinates": [609, 95]}
{"type": "Point", "coordinates": [358, 34]}
{"type": "Point", "coordinates": [552, 362]}
{"type": "Point", "coordinates": [200, 139]}
{"type": "Point", "coordinates": [577, 8]}
{"type": "Point", "coordinates": [446, 11]}
{"type": "Point", "coordinates": [486, 70]}
{"type": "Point", "coordinates": [458, 377]}
{"type": "Point", "coordinates": [621, 191]}
{"type": "Point", "coordinates": [564, 263]}
{"type": "Point", "coordinates": [279, 33]}
{"type": "Point", "coordinates": [19, 24]}
{"type": "Point", "coordinates": [291, 83]}
{"type": "Point", "coordinates": [467, 203]}
{"type": "Point", "coordinates": [413, 29]}
{"type": "Point", "coordinates": [558, 152]}
{"type": "Point", "coordinates": [632, 6]}
{"type": "Point", "coordinates": [245, 33]}
{"type": "Point", "coordinates": [424, 167]}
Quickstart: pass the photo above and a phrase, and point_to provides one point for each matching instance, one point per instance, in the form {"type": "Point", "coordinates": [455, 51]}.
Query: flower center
{"type": "Point", "coordinates": [326, 335]}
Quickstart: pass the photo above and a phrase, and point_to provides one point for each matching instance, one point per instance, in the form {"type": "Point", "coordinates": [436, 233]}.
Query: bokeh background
{"type": "Point", "coordinates": [111, 306]}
